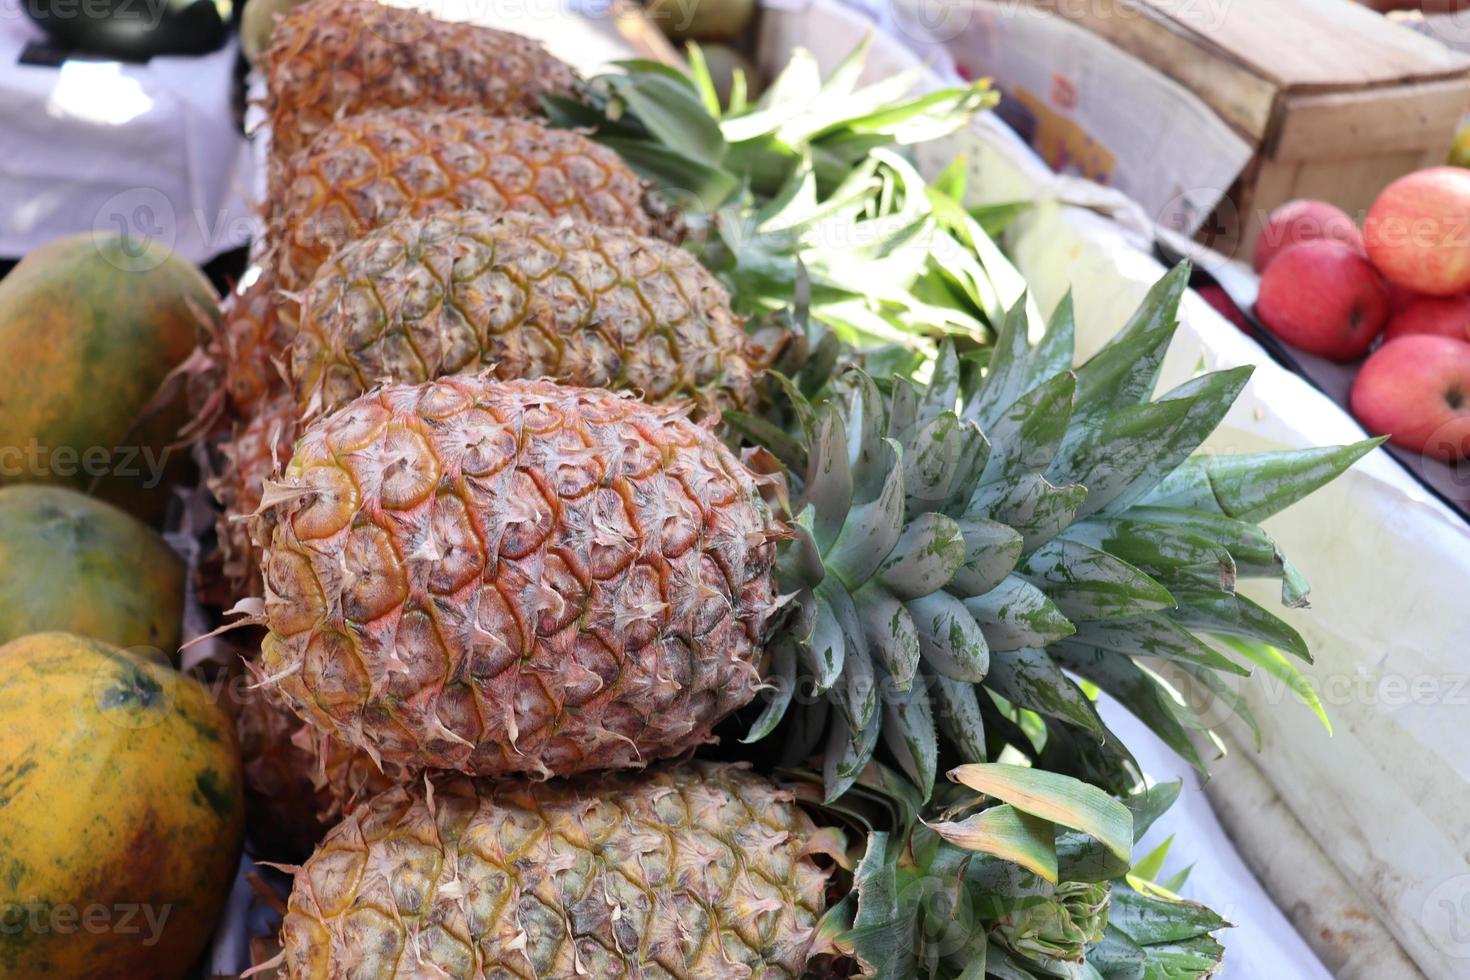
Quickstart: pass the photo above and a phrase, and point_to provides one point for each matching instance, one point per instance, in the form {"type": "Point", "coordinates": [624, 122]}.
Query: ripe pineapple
{"type": "Point", "coordinates": [363, 171]}
{"type": "Point", "coordinates": [331, 58]}
{"type": "Point", "coordinates": [249, 354]}
{"type": "Point", "coordinates": [299, 782]}
{"type": "Point", "coordinates": [507, 577]}
{"type": "Point", "coordinates": [257, 447]}
{"type": "Point", "coordinates": [503, 577]}
{"type": "Point", "coordinates": [707, 871]}
{"type": "Point", "coordinates": [527, 297]}
{"type": "Point", "coordinates": [701, 871]}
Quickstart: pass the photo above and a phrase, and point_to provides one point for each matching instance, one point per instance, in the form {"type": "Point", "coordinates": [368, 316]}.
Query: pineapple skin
{"type": "Point", "coordinates": [695, 872]}
{"type": "Point", "coordinates": [363, 171]}
{"type": "Point", "coordinates": [250, 352]}
{"type": "Point", "coordinates": [515, 577]}
{"type": "Point", "coordinates": [526, 297]}
{"type": "Point", "coordinates": [299, 782]}
{"type": "Point", "coordinates": [330, 58]}
{"type": "Point", "coordinates": [257, 446]}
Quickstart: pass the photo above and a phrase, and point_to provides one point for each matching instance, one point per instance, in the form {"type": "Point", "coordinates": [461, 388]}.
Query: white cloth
{"type": "Point", "coordinates": [151, 149]}
{"type": "Point", "coordinates": [1262, 944]}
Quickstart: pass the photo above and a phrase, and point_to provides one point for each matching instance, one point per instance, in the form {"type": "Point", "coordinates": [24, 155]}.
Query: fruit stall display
{"type": "Point", "coordinates": [1378, 317]}
{"type": "Point", "coordinates": [1386, 619]}
{"type": "Point", "coordinates": [657, 533]}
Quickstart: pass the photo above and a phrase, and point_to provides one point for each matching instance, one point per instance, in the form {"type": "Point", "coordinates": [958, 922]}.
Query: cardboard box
{"type": "Point", "coordinates": [1336, 100]}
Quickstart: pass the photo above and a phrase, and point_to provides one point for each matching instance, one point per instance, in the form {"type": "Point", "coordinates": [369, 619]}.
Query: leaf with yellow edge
{"type": "Point", "coordinates": [1052, 796]}
{"type": "Point", "coordinates": [1007, 833]}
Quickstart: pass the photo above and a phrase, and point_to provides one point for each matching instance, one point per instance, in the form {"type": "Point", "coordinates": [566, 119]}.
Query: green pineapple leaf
{"type": "Point", "coordinates": [847, 752]}
{"type": "Point", "coordinates": [1032, 680]}
{"type": "Point", "coordinates": [1028, 433]}
{"type": "Point", "coordinates": [1150, 921]}
{"type": "Point", "coordinates": [1134, 689]}
{"type": "Point", "coordinates": [910, 735]}
{"type": "Point", "coordinates": [1151, 865]}
{"type": "Point", "coordinates": [1275, 663]}
{"type": "Point", "coordinates": [892, 636]}
{"type": "Point", "coordinates": [1154, 636]}
{"type": "Point", "coordinates": [1054, 797]}
{"type": "Point", "coordinates": [1208, 399]}
{"type": "Point", "coordinates": [960, 715]}
{"type": "Point", "coordinates": [781, 682]}
{"type": "Point", "coordinates": [1016, 614]}
{"type": "Point", "coordinates": [1009, 833]}
{"type": "Point", "coordinates": [1088, 584]}
{"type": "Point", "coordinates": [1254, 487]}
{"type": "Point", "coordinates": [949, 637]}
{"type": "Point", "coordinates": [1227, 614]}
{"type": "Point", "coordinates": [873, 529]}
{"type": "Point", "coordinates": [1150, 804]}
{"type": "Point", "coordinates": [1169, 553]}
{"type": "Point", "coordinates": [928, 552]}
{"type": "Point", "coordinates": [1125, 371]}
{"type": "Point", "coordinates": [704, 84]}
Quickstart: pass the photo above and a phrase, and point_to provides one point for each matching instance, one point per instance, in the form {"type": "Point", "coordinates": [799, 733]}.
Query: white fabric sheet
{"type": "Point", "coordinates": [150, 149]}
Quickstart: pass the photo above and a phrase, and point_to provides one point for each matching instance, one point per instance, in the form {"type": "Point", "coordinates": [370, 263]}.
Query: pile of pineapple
{"type": "Point", "coordinates": [609, 632]}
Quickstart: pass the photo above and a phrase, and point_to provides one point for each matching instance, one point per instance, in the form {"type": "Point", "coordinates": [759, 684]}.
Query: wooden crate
{"type": "Point", "coordinates": [1336, 99]}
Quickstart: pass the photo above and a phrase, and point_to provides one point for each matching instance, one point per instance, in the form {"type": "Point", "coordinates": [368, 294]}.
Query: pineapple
{"type": "Point", "coordinates": [526, 296]}
{"type": "Point", "coordinates": [362, 171]}
{"type": "Point", "coordinates": [503, 577]}
{"type": "Point", "coordinates": [299, 782]}
{"type": "Point", "coordinates": [331, 58]}
{"type": "Point", "coordinates": [701, 871]}
{"type": "Point", "coordinates": [257, 447]}
{"type": "Point", "coordinates": [707, 871]}
{"type": "Point", "coordinates": [249, 355]}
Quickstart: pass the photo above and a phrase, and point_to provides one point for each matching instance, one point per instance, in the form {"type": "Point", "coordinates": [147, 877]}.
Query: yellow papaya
{"type": "Point", "coordinates": [122, 805]}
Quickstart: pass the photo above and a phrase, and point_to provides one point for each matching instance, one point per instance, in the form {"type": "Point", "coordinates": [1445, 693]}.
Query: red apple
{"type": "Point", "coordinates": [1399, 296]}
{"type": "Point", "coordinates": [1418, 231]}
{"type": "Point", "coordinates": [1224, 305]}
{"type": "Point", "coordinates": [1296, 222]}
{"type": "Point", "coordinates": [1442, 316]}
{"type": "Point", "coordinates": [1417, 391]}
{"type": "Point", "coordinates": [1325, 298]}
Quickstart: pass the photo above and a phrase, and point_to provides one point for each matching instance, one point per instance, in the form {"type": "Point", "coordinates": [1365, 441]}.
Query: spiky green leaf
{"type": "Point", "coordinates": [1254, 487]}
{"type": "Point", "coordinates": [928, 553]}
{"type": "Point", "coordinates": [1016, 614]}
{"type": "Point", "coordinates": [1030, 679]}
{"type": "Point", "coordinates": [1088, 584]}
{"type": "Point", "coordinates": [950, 641]}
{"type": "Point", "coordinates": [891, 635]}
{"type": "Point", "coordinates": [1054, 797]}
{"type": "Point", "coordinates": [1009, 833]}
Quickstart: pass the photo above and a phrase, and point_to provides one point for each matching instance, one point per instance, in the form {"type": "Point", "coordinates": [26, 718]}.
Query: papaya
{"type": "Point", "coordinates": [123, 815]}
{"type": "Point", "coordinates": [90, 326]}
{"type": "Point", "coordinates": [84, 566]}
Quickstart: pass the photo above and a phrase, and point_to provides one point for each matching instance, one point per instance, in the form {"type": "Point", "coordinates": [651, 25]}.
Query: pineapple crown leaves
{"type": "Point", "coordinates": [670, 124]}
{"type": "Point", "coordinates": [962, 897]}
{"type": "Point", "coordinates": [967, 549]}
{"type": "Point", "coordinates": [809, 170]}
